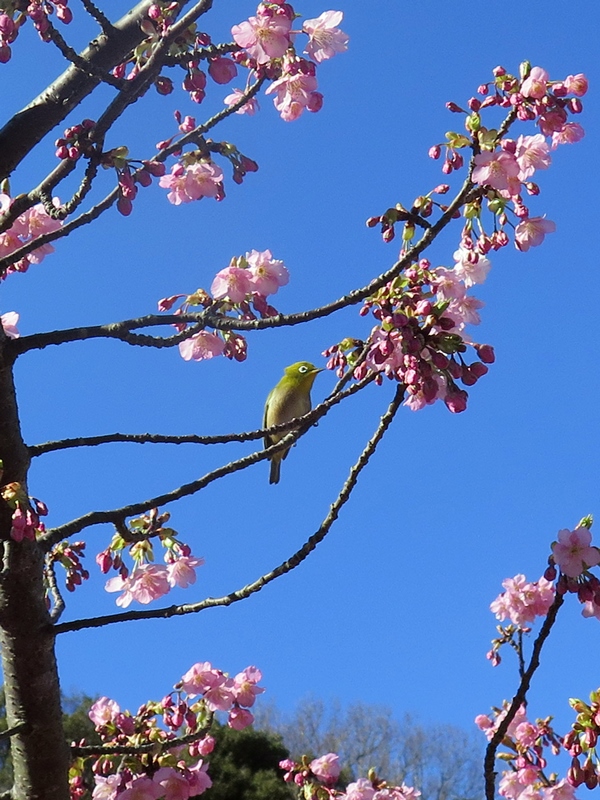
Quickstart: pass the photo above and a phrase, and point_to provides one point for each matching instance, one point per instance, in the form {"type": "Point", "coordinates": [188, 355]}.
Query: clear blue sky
{"type": "Point", "coordinates": [393, 607]}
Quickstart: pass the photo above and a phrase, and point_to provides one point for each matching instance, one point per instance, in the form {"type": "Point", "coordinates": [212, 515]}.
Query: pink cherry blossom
{"type": "Point", "coordinates": [570, 133]}
{"type": "Point", "coordinates": [240, 718]}
{"type": "Point", "coordinates": [464, 312]}
{"type": "Point", "coordinates": [591, 609]}
{"type": "Point", "coordinates": [103, 711]}
{"type": "Point", "coordinates": [9, 323]}
{"type": "Point", "coordinates": [447, 284]}
{"type": "Point", "coordinates": [221, 696]}
{"type": "Point", "coordinates": [142, 788]}
{"type": "Point", "coordinates": [496, 169]}
{"type": "Point", "coordinates": [198, 779]}
{"type": "Point", "coordinates": [470, 267]}
{"type": "Point", "coordinates": [532, 153]}
{"type": "Point", "coordinates": [233, 283]}
{"type": "Point", "coordinates": [206, 746]}
{"type": "Point", "coordinates": [362, 789]}
{"type": "Point", "coordinates": [573, 553]}
{"type": "Point", "coordinates": [327, 767]}
{"type": "Point", "coordinates": [325, 38]}
{"type": "Point", "coordinates": [222, 70]}
{"type": "Point", "coordinates": [146, 583]}
{"type": "Point", "coordinates": [201, 677]}
{"type": "Point", "coordinates": [264, 37]}
{"type": "Point", "coordinates": [245, 686]}
{"type": "Point", "coordinates": [201, 346]}
{"type": "Point", "coordinates": [576, 84]}
{"type": "Point", "coordinates": [267, 273]}
{"type": "Point", "coordinates": [530, 232]}
{"type": "Point", "coordinates": [174, 785]}
{"type": "Point", "coordinates": [536, 83]}
{"type": "Point", "coordinates": [522, 602]}
{"type": "Point", "coordinates": [182, 572]}
{"type": "Point", "coordinates": [106, 788]}
{"type": "Point", "coordinates": [193, 182]}
{"type": "Point", "coordinates": [250, 107]}
{"type": "Point", "coordinates": [560, 791]}
{"type": "Point", "coordinates": [294, 93]}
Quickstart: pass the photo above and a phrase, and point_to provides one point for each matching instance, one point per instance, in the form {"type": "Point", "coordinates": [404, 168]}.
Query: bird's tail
{"type": "Point", "coordinates": [275, 470]}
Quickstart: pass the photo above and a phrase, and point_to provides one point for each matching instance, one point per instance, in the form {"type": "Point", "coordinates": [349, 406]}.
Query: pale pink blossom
{"type": "Point", "coordinates": [576, 84]}
{"type": "Point", "coordinates": [106, 788]}
{"type": "Point", "coordinates": [522, 602]}
{"type": "Point", "coordinates": [530, 793]}
{"type": "Point", "coordinates": [198, 779]}
{"type": "Point", "coordinates": [9, 323]}
{"type": "Point", "coordinates": [267, 273]}
{"type": "Point", "coordinates": [496, 170]}
{"type": "Point", "coordinates": [447, 284]}
{"type": "Point", "coordinates": [294, 93]}
{"type": "Point", "coordinates": [530, 232]}
{"type": "Point", "coordinates": [489, 726]}
{"type": "Point", "coordinates": [146, 583]}
{"type": "Point", "coordinates": [142, 788]}
{"type": "Point", "coordinates": [193, 182]}
{"type": "Point", "coordinates": [464, 312]}
{"type": "Point", "coordinates": [200, 677]}
{"type": "Point", "coordinates": [532, 153]}
{"type": "Point", "coordinates": [326, 768]}
{"type": "Point", "coordinates": [590, 609]}
{"type": "Point", "coordinates": [560, 791]}
{"type": "Point", "coordinates": [201, 346]}
{"type": "Point", "coordinates": [174, 785]}
{"type": "Point", "coordinates": [220, 697]}
{"type": "Point", "coordinates": [206, 746]}
{"type": "Point", "coordinates": [570, 133]}
{"type": "Point", "coordinates": [362, 789]}
{"type": "Point", "coordinates": [573, 553]}
{"type": "Point", "coordinates": [325, 38]}
{"type": "Point", "coordinates": [471, 267]}
{"type": "Point", "coordinates": [103, 711]}
{"type": "Point", "coordinates": [536, 83]}
{"type": "Point", "coordinates": [182, 571]}
{"type": "Point", "coordinates": [263, 37]}
{"type": "Point", "coordinates": [240, 718]}
{"type": "Point", "coordinates": [234, 283]}
{"type": "Point", "coordinates": [250, 107]}
{"type": "Point", "coordinates": [245, 686]}
{"type": "Point", "coordinates": [527, 733]}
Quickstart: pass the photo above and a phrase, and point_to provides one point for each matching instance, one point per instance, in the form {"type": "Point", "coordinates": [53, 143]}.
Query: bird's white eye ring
{"type": "Point", "coordinates": [303, 369]}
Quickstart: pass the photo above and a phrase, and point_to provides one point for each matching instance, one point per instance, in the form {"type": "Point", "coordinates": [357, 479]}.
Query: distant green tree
{"type": "Point", "coordinates": [245, 766]}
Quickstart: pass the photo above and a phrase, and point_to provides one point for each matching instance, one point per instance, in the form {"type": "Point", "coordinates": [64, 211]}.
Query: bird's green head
{"type": "Point", "coordinates": [301, 374]}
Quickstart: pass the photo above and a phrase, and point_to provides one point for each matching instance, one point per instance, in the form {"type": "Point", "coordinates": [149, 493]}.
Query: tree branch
{"type": "Point", "coordinates": [101, 19]}
{"type": "Point", "coordinates": [22, 727]}
{"type": "Point", "coordinates": [282, 569]}
{"type": "Point", "coordinates": [156, 748]}
{"type": "Point", "coordinates": [301, 425]}
{"type": "Point", "coordinates": [518, 699]}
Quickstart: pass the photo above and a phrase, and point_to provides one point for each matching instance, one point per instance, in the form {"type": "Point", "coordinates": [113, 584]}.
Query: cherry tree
{"type": "Point", "coordinates": [417, 337]}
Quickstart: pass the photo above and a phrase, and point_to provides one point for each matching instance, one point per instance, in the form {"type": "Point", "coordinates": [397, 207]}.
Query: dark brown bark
{"type": "Point", "coordinates": [29, 126]}
{"type": "Point", "coordinates": [40, 755]}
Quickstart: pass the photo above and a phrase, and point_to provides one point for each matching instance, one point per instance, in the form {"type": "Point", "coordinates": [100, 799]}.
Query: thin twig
{"type": "Point", "coordinates": [57, 598]}
{"type": "Point", "coordinates": [518, 699]}
{"type": "Point", "coordinates": [101, 19]}
{"type": "Point", "coordinates": [84, 64]}
{"type": "Point", "coordinates": [20, 727]}
{"type": "Point", "coordinates": [301, 425]}
{"type": "Point", "coordinates": [282, 569]}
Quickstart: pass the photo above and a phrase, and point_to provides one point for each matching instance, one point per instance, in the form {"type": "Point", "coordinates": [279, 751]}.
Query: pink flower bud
{"type": "Point", "coordinates": [222, 70]}
{"type": "Point", "coordinates": [434, 152]}
{"type": "Point", "coordinates": [456, 109]}
{"type": "Point", "coordinates": [163, 85]}
{"type": "Point", "coordinates": [483, 89]}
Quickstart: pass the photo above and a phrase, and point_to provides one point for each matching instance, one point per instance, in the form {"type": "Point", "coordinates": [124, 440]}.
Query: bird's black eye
{"type": "Point", "coordinates": [303, 369]}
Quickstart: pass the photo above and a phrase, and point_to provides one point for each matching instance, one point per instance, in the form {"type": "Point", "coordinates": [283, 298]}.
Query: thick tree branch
{"type": "Point", "coordinates": [282, 569]}
{"type": "Point", "coordinates": [301, 425]}
{"type": "Point", "coordinates": [518, 699]}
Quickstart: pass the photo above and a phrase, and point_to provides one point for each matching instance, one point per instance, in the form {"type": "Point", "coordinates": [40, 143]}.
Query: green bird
{"type": "Point", "coordinates": [288, 400]}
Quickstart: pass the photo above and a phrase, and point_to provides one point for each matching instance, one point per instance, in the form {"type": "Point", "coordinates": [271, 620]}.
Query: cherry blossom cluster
{"type": "Point", "coordinates": [75, 141]}
{"type": "Point", "coordinates": [422, 314]}
{"type": "Point", "coordinates": [28, 226]}
{"type": "Point", "coordinates": [147, 581]}
{"type": "Point", "coordinates": [420, 338]}
{"type": "Point", "coordinates": [16, 13]}
{"type": "Point", "coordinates": [243, 287]}
{"type": "Point", "coordinates": [177, 773]}
{"type": "Point", "coordinates": [318, 778]}
{"type": "Point", "coordinates": [26, 514]}
{"type": "Point", "coordinates": [525, 758]}
{"type": "Point", "coordinates": [582, 740]}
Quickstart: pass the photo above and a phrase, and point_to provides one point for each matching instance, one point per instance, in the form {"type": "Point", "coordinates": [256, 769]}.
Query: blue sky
{"type": "Point", "coordinates": [392, 607]}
